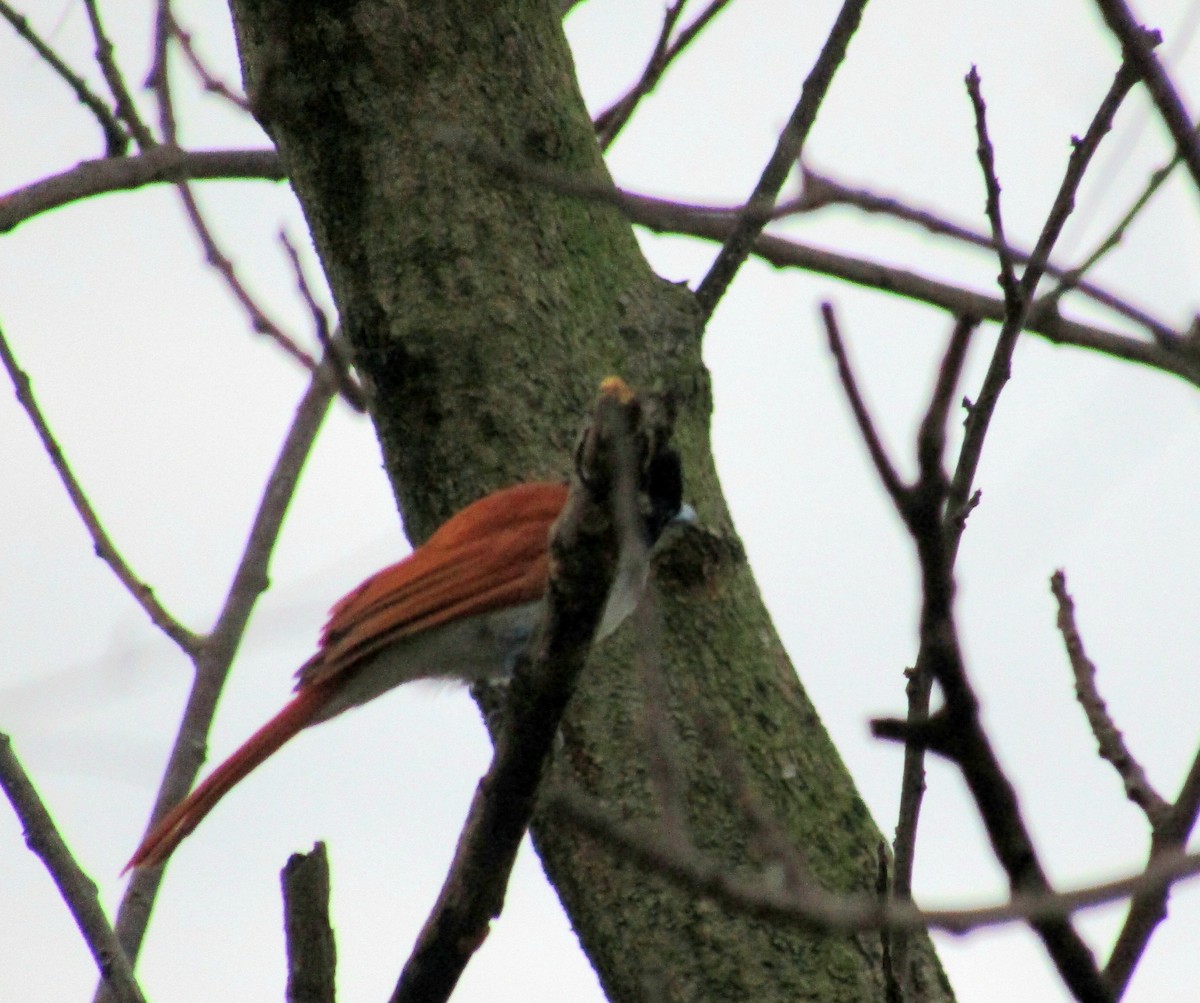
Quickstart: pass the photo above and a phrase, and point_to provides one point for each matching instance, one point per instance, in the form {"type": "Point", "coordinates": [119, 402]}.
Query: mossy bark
{"type": "Point", "coordinates": [484, 311]}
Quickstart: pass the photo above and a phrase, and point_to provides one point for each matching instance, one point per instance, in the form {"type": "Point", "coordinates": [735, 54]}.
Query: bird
{"type": "Point", "coordinates": [463, 606]}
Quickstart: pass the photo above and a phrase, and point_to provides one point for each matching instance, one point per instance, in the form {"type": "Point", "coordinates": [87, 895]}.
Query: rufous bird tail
{"type": "Point", "coordinates": [170, 831]}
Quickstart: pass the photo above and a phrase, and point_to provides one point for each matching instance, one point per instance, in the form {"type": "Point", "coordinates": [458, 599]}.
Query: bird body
{"type": "Point", "coordinates": [462, 606]}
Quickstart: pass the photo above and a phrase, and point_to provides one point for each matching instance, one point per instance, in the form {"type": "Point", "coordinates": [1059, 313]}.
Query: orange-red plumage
{"type": "Point", "coordinates": [170, 831]}
{"type": "Point", "coordinates": [490, 556]}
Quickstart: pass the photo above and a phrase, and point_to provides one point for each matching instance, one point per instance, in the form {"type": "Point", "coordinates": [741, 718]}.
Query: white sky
{"type": "Point", "coordinates": [171, 414]}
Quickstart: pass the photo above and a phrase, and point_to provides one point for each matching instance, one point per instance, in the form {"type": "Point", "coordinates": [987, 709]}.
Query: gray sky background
{"type": "Point", "coordinates": [171, 413]}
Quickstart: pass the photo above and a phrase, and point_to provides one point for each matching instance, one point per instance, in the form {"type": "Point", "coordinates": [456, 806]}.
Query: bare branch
{"type": "Point", "coordinates": [1108, 736]}
{"type": "Point", "coordinates": [821, 190]}
{"type": "Point", "coordinates": [909, 501]}
{"type": "Point", "coordinates": [612, 120]}
{"type": "Point", "coordinates": [788, 150]}
{"type": "Point", "coordinates": [1149, 905]}
{"type": "Point", "coordinates": [311, 951]}
{"type": "Point", "coordinates": [814, 909]}
{"type": "Point", "coordinates": [609, 123]}
{"type": "Point", "coordinates": [935, 519]}
{"type": "Point", "coordinates": [987, 162]}
{"type": "Point", "coordinates": [980, 415]}
{"type": "Point", "coordinates": [351, 390]}
{"type": "Point", "coordinates": [216, 653]}
{"type": "Point", "coordinates": [718, 223]}
{"type": "Point", "coordinates": [161, 165]}
{"type": "Point", "coordinates": [916, 505]}
{"type": "Point", "coordinates": [116, 140]}
{"type": "Point", "coordinates": [1045, 321]}
{"type": "Point", "coordinates": [1073, 279]}
{"type": "Point", "coordinates": [211, 83]}
{"type": "Point", "coordinates": [142, 593]}
{"type": "Point", "coordinates": [1137, 45]}
{"type": "Point", "coordinates": [160, 81]}
{"type": "Point", "coordinates": [159, 77]}
{"type": "Point", "coordinates": [917, 691]}
{"type": "Point", "coordinates": [931, 436]}
{"type": "Point", "coordinates": [77, 889]}
{"type": "Point", "coordinates": [105, 58]}
{"type": "Point", "coordinates": [931, 442]}
{"type": "Point", "coordinates": [584, 545]}
{"type": "Point", "coordinates": [862, 417]}
{"type": "Point", "coordinates": [260, 323]}
{"type": "Point", "coordinates": [957, 733]}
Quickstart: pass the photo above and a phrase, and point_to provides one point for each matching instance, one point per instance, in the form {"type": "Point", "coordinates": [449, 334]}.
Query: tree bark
{"type": "Point", "coordinates": [483, 312]}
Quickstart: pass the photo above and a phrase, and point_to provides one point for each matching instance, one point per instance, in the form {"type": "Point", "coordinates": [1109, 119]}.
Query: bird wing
{"type": "Point", "coordinates": [490, 555]}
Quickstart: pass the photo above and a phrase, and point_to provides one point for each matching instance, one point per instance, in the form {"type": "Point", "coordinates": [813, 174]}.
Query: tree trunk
{"type": "Point", "coordinates": [483, 311]}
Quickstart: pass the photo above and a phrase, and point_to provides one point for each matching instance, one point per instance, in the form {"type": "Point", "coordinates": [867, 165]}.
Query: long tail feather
{"type": "Point", "coordinates": [161, 841]}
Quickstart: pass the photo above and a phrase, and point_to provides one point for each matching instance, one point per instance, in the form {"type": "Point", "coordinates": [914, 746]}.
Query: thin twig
{"type": "Point", "coordinates": [917, 691]}
{"type": "Point", "coordinates": [718, 223]}
{"type": "Point", "coordinates": [1108, 736]}
{"type": "Point", "coordinates": [935, 519]}
{"type": "Point", "coordinates": [583, 555]}
{"type": "Point", "coordinates": [260, 323]}
{"type": "Point", "coordinates": [984, 406]}
{"type": "Point", "coordinates": [866, 427]}
{"type": "Point", "coordinates": [169, 165]}
{"type": "Point", "coordinates": [930, 438]}
{"type": "Point", "coordinates": [1045, 321]}
{"type": "Point", "coordinates": [1137, 45]}
{"type": "Point", "coordinates": [931, 435]}
{"type": "Point", "coordinates": [612, 120]}
{"type": "Point", "coordinates": [216, 653]}
{"type": "Point", "coordinates": [116, 139]}
{"type": "Point", "coordinates": [127, 110]}
{"type": "Point", "coordinates": [930, 447]}
{"type": "Point", "coordinates": [165, 166]}
{"type": "Point", "coordinates": [987, 162]}
{"type": "Point", "coordinates": [1149, 905]}
{"type": "Point", "coordinates": [158, 80]}
{"type": "Point", "coordinates": [812, 908]}
{"type": "Point", "coordinates": [787, 152]}
{"type": "Point", "coordinates": [608, 123]}
{"type": "Point", "coordinates": [931, 441]}
{"type": "Point", "coordinates": [821, 190]}
{"type": "Point", "coordinates": [78, 891]}
{"type": "Point", "coordinates": [908, 499]}
{"type": "Point", "coordinates": [955, 731]}
{"type": "Point", "coordinates": [1073, 279]}
{"type": "Point", "coordinates": [350, 389]}
{"type": "Point", "coordinates": [142, 593]}
{"type": "Point", "coordinates": [211, 83]}
{"type": "Point", "coordinates": [161, 165]}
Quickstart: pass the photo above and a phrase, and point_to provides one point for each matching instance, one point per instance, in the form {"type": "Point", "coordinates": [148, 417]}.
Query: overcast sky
{"type": "Point", "coordinates": [171, 413]}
